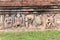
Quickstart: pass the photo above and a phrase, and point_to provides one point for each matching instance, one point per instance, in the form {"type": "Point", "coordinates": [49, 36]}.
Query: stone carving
{"type": "Point", "coordinates": [57, 20]}
{"type": "Point", "coordinates": [8, 21]}
{"type": "Point", "coordinates": [38, 20]}
{"type": "Point", "coordinates": [18, 21]}
{"type": "Point", "coordinates": [1, 21]}
{"type": "Point", "coordinates": [41, 21]}
{"type": "Point", "coordinates": [23, 20]}
{"type": "Point", "coordinates": [50, 21]}
{"type": "Point", "coordinates": [29, 20]}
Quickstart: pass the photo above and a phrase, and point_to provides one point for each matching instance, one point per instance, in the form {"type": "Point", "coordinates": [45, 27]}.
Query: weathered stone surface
{"type": "Point", "coordinates": [30, 19]}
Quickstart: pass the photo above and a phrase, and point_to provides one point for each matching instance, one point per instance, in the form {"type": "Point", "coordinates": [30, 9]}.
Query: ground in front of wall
{"type": "Point", "coordinates": [41, 35]}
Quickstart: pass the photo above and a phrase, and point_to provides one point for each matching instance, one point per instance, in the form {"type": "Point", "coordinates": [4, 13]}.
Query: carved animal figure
{"type": "Point", "coordinates": [29, 19]}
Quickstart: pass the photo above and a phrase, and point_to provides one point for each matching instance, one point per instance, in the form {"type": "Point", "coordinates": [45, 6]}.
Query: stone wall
{"type": "Point", "coordinates": [31, 21]}
{"type": "Point", "coordinates": [29, 15]}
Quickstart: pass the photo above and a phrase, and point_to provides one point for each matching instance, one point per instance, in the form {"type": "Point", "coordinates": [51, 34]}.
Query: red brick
{"type": "Point", "coordinates": [27, 2]}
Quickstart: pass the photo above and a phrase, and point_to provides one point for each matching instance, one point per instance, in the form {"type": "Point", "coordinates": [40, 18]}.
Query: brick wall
{"type": "Point", "coordinates": [27, 2]}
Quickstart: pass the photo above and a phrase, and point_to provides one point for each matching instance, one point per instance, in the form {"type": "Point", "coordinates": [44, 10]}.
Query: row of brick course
{"type": "Point", "coordinates": [28, 2]}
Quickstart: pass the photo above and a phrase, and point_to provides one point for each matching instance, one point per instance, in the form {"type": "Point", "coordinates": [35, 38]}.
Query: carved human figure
{"type": "Point", "coordinates": [8, 21]}
{"type": "Point", "coordinates": [18, 20]}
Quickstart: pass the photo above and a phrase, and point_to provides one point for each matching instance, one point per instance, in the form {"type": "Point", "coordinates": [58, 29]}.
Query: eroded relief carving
{"type": "Point", "coordinates": [18, 20]}
{"type": "Point", "coordinates": [29, 20]}
{"type": "Point", "coordinates": [1, 21]}
{"type": "Point", "coordinates": [50, 21]}
{"type": "Point", "coordinates": [21, 20]}
{"type": "Point", "coordinates": [57, 20]}
{"type": "Point", "coordinates": [8, 21]}
{"type": "Point", "coordinates": [38, 20]}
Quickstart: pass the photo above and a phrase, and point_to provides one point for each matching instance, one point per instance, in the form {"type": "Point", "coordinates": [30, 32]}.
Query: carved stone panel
{"type": "Point", "coordinates": [57, 18]}
{"type": "Point", "coordinates": [8, 21]}
{"type": "Point", "coordinates": [1, 21]}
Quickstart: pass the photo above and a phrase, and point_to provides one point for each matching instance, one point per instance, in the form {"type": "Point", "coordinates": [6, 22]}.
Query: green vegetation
{"type": "Point", "coordinates": [46, 35]}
